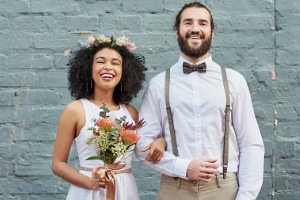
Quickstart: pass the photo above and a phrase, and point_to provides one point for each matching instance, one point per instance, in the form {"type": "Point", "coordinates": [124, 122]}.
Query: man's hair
{"type": "Point", "coordinates": [191, 5]}
{"type": "Point", "coordinates": [81, 84]}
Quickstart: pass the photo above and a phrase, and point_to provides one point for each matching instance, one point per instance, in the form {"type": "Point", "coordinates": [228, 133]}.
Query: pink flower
{"type": "Point", "coordinates": [120, 41]}
{"type": "Point", "coordinates": [105, 124]}
{"type": "Point", "coordinates": [130, 46]}
{"type": "Point", "coordinates": [129, 137]}
{"type": "Point", "coordinates": [102, 38]}
{"type": "Point", "coordinates": [91, 40]}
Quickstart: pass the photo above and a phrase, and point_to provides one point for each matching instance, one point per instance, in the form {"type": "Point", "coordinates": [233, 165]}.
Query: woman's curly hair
{"type": "Point", "coordinates": [80, 73]}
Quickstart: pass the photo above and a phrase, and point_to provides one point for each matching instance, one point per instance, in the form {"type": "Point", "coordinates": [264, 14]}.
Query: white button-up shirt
{"type": "Point", "coordinates": [198, 106]}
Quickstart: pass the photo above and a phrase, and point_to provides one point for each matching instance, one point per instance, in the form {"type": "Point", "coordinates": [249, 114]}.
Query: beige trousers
{"type": "Point", "coordinates": [217, 189]}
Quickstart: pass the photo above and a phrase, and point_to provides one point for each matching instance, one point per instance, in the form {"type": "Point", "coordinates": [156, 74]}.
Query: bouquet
{"type": "Point", "coordinates": [114, 138]}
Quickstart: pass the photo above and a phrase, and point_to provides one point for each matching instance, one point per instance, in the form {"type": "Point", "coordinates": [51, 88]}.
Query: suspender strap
{"type": "Point", "coordinates": [169, 112]}
{"type": "Point", "coordinates": [227, 115]}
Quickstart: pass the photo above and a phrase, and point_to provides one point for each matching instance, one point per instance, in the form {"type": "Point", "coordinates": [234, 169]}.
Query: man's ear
{"type": "Point", "coordinates": [176, 33]}
{"type": "Point", "coordinates": [213, 33]}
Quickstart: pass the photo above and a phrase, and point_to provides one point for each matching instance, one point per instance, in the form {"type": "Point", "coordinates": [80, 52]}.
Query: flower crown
{"type": "Point", "coordinates": [113, 41]}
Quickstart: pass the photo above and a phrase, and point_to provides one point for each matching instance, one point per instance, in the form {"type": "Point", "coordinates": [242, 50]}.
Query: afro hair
{"type": "Point", "coordinates": [80, 73]}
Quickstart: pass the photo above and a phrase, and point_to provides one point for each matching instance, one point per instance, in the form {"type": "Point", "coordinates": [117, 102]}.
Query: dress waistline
{"type": "Point", "coordinates": [115, 171]}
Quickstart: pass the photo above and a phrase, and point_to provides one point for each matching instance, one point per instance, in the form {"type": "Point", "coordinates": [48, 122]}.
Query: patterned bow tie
{"type": "Point", "coordinates": [188, 68]}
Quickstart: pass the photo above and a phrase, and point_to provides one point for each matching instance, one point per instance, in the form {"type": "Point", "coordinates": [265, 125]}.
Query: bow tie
{"type": "Point", "coordinates": [188, 68]}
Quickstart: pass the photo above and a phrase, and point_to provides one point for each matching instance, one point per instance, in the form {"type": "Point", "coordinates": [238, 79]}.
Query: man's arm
{"type": "Point", "coordinates": [150, 111]}
{"type": "Point", "coordinates": [250, 144]}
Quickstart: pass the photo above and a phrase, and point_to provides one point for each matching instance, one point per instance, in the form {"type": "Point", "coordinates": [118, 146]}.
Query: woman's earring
{"type": "Point", "coordinates": [121, 87]}
{"type": "Point", "coordinates": [92, 84]}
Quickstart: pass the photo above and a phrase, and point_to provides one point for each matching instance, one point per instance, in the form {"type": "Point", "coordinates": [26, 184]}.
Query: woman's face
{"type": "Point", "coordinates": [107, 69]}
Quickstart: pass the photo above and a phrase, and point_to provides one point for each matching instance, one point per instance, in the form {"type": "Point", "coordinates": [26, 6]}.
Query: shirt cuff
{"type": "Point", "coordinates": [180, 168]}
{"type": "Point", "coordinates": [244, 195]}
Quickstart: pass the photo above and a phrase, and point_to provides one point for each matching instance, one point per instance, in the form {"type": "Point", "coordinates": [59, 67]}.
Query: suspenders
{"type": "Point", "coordinates": [169, 112]}
{"type": "Point", "coordinates": [227, 115]}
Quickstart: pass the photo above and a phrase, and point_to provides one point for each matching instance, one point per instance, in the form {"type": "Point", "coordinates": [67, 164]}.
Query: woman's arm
{"type": "Point", "coordinates": [69, 126]}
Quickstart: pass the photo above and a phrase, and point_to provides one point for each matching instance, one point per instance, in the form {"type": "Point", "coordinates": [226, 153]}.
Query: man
{"type": "Point", "coordinates": [198, 103]}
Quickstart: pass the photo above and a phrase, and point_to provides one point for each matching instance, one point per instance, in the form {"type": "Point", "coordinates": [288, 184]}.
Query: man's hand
{"type": "Point", "coordinates": [202, 170]}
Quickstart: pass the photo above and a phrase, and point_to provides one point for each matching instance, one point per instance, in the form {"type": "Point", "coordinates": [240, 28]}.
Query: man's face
{"type": "Point", "coordinates": [194, 34]}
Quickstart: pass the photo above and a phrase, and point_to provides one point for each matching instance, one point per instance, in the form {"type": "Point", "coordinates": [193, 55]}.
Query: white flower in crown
{"type": "Point", "coordinates": [91, 40]}
{"type": "Point", "coordinates": [121, 41]}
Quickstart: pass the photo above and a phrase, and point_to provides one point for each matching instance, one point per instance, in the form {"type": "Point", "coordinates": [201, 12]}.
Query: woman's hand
{"type": "Point", "coordinates": [157, 150]}
{"type": "Point", "coordinates": [96, 184]}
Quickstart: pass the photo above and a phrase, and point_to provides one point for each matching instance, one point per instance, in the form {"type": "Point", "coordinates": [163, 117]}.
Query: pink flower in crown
{"type": "Point", "coordinates": [91, 40]}
{"type": "Point", "coordinates": [130, 46]}
{"type": "Point", "coordinates": [102, 38]}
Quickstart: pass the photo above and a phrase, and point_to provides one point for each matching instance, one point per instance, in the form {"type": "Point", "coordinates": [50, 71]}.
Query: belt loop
{"type": "Point", "coordinates": [178, 183]}
{"type": "Point", "coordinates": [218, 181]}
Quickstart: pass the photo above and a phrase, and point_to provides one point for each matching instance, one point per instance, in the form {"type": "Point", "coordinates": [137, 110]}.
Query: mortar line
{"type": "Point", "coordinates": [273, 170]}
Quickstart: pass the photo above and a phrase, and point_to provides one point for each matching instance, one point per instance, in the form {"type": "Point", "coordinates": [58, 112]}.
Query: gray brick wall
{"type": "Point", "coordinates": [259, 38]}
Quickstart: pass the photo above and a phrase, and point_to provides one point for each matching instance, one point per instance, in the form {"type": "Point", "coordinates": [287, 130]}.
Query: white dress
{"type": "Point", "coordinates": [126, 186]}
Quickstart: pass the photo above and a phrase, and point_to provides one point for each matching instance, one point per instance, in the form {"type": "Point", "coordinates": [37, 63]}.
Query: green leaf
{"type": "Point", "coordinates": [94, 158]}
{"type": "Point", "coordinates": [122, 119]}
{"type": "Point", "coordinates": [96, 42]}
{"type": "Point", "coordinates": [112, 136]}
{"type": "Point", "coordinates": [91, 129]}
{"type": "Point", "coordinates": [104, 111]}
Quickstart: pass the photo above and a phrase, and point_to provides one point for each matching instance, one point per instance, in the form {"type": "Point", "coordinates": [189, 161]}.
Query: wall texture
{"type": "Point", "coordinates": [258, 38]}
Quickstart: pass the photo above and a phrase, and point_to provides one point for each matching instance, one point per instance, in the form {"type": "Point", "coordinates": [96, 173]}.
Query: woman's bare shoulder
{"type": "Point", "coordinates": [133, 112]}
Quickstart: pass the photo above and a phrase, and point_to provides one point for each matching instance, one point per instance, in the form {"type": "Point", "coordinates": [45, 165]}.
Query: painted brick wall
{"type": "Point", "coordinates": [258, 38]}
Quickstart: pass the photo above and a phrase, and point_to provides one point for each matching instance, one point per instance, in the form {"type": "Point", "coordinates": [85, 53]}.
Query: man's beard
{"type": "Point", "coordinates": [194, 52]}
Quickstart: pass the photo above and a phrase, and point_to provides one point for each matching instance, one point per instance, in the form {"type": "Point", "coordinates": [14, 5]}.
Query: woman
{"type": "Point", "coordinates": [104, 72]}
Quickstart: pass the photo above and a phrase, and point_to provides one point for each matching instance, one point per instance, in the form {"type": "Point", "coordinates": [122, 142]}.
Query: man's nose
{"type": "Point", "coordinates": [196, 27]}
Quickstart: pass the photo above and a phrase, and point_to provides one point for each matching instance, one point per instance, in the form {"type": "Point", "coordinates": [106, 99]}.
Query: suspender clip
{"type": "Point", "coordinates": [224, 171]}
